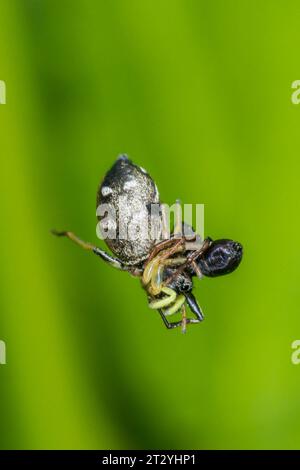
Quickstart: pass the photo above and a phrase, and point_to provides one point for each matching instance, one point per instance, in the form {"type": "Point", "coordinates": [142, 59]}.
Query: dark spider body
{"type": "Point", "coordinates": [166, 263]}
{"type": "Point", "coordinates": [128, 191]}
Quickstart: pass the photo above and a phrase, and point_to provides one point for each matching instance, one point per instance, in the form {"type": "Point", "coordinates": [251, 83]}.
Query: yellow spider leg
{"type": "Point", "coordinates": [174, 261]}
{"type": "Point", "coordinates": [148, 271]}
{"type": "Point", "coordinates": [177, 306]}
{"type": "Point", "coordinates": [165, 301]}
{"type": "Point", "coordinates": [184, 319]}
{"type": "Point", "coordinates": [162, 256]}
{"type": "Point", "coordinates": [156, 281]}
{"type": "Point", "coordinates": [157, 274]}
{"type": "Point", "coordinates": [75, 239]}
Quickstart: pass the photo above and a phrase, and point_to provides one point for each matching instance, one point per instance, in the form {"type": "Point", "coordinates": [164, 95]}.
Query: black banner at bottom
{"type": "Point", "coordinates": [135, 458]}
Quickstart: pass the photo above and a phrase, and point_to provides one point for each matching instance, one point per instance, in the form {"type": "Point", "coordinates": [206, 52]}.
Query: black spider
{"type": "Point", "coordinates": [165, 263]}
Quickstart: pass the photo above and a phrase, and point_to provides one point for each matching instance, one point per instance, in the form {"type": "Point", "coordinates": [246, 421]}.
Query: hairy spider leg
{"type": "Point", "coordinates": [115, 262]}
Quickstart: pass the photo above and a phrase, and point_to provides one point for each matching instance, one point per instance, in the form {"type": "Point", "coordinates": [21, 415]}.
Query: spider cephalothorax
{"type": "Point", "coordinates": [221, 257]}
{"type": "Point", "coordinates": [165, 263]}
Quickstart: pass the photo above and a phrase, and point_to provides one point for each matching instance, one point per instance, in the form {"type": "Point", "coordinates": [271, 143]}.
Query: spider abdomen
{"type": "Point", "coordinates": [128, 192]}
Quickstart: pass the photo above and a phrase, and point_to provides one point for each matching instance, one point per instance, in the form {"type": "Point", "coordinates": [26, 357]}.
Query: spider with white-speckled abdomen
{"type": "Point", "coordinates": [165, 263]}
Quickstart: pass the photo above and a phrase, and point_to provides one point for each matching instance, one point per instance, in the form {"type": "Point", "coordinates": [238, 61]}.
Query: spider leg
{"type": "Point", "coordinates": [153, 277]}
{"type": "Point", "coordinates": [179, 304]}
{"type": "Point", "coordinates": [184, 319]}
{"type": "Point", "coordinates": [152, 264]}
{"type": "Point", "coordinates": [171, 244]}
{"type": "Point", "coordinates": [194, 245]}
{"type": "Point", "coordinates": [190, 260]}
{"type": "Point", "coordinates": [193, 304]}
{"type": "Point", "coordinates": [115, 262]}
{"type": "Point", "coordinates": [180, 300]}
{"type": "Point", "coordinates": [168, 324]}
{"type": "Point", "coordinates": [153, 281]}
{"type": "Point", "coordinates": [176, 324]}
{"type": "Point", "coordinates": [165, 301]}
{"type": "Point", "coordinates": [175, 261]}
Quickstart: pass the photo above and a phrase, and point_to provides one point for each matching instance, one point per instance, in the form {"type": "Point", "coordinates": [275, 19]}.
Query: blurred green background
{"type": "Point", "coordinates": [199, 93]}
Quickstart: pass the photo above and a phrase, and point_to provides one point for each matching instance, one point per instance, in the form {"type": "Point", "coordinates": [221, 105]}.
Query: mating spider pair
{"type": "Point", "coordinates": [166, 264]}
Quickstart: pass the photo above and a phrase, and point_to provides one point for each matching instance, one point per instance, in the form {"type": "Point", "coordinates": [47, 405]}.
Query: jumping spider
{"type": "Point", "coordinates": [167, 264]}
